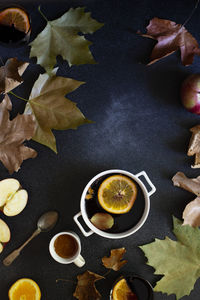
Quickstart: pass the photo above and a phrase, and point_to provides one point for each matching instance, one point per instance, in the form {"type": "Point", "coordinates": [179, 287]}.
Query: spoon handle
{"type": "Point", "coordinates": [13, 255]}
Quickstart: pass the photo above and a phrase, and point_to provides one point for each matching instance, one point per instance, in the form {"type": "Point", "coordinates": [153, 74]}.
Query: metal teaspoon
{"type": "Point", "coordinates": [45, 223]}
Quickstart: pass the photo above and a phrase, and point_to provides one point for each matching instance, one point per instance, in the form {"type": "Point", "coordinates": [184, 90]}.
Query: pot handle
{"type": "Point", "coordinates": [85, 233]}
{"type": "Point", "coordinates": [153, 188]}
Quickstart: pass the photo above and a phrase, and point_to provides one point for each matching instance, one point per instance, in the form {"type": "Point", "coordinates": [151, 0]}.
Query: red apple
{"type": "Point", "coordinates": [190, 93]}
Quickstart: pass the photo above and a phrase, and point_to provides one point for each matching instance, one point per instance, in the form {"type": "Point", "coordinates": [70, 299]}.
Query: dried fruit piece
{"type": "Point", "coordinates": [189, 184]}
{"type": "Point", "coordinates": [24, 288]}
{"type": "Point", "coordinates": [15, 16]}
{"type": "Point", "coordinates": [122, 291]}
{"type": "Point", "coordinates": [194, 145]}
{"type": "Point", "coordinates": [90, 191]}
{"type": "Point", "coordinates": [191, 213]}
{"type": "Point", "coordinates": [117, 194]}
{"type": "Point", "coordinates": [102, 221]}
{"type": "Point", "coordinates": [90, 194]}
{"type": "Point", "coordinates": [115, 261]}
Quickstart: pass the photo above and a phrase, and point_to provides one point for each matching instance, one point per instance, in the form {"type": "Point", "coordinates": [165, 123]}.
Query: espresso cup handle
{"type": "Point", "coordinates": [85, 233]}
{"type": "Point", "coordinates": [153, 188]}
{"type": "Point", "coordinates": [79, 261]}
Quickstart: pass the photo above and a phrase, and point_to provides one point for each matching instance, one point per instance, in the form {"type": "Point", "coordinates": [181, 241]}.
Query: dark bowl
{"type": "Point", "coordinates": [138, 285]}
{"type": "Point", "coordinates": [9, 36]}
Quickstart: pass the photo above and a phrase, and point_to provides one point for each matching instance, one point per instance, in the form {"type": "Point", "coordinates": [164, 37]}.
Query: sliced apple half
{"type": "Point", "coordinates": [8, 187]}
{"type": "Point", "coordinates": [16, 204]}
{"type": "Point", "coordinates": [13, 199]}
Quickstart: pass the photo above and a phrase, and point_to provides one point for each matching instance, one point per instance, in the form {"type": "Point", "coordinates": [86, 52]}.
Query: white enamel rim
{"type": "Point", "coordinates": [120, 235]}
{"type": "Point", "coordinates": [56, 257]}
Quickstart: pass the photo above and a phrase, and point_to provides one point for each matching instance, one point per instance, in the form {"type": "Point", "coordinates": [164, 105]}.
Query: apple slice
{"type": "Point", "coordinates": [1, 247]}
{"type": "Point", "coordinates": [4, 232]}
{"type": "Point", "coordinates": [12, 198]}
{"type": "Point", "coordinates": [8, 187]}
{"type": "Point", "coordinates": [16, 204]}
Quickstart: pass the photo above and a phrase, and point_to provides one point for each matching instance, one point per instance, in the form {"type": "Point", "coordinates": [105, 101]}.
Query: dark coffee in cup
{"type": "Point", "coordinates": [66, 246]}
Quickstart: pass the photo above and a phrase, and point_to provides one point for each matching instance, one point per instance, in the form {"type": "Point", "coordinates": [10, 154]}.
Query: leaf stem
{"type": "Point", "coordinates": [104, 275]}
{"type": "Point", "coordinates": [18, 96]}
{"type": "Point", "coordinates": [191, 14]}
{"type": "Point", "coordinates": [42, 14]}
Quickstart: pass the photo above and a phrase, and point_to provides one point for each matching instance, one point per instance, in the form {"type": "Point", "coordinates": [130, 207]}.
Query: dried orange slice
{"type": "Point", "coordinates": [17, 17]}
{"type": "Point", "coordinates": [117, 194]}
{"type": "Point", "coordinates": [121, 291]}
{"type": "Point", "coordinates": [25, 289]}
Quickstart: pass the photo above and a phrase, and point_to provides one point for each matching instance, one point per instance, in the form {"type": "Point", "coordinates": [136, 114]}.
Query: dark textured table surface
{"type": "Point", "coordinates": [140, 124]}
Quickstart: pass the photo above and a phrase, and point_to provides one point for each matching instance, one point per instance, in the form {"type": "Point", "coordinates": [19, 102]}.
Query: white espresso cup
{"type": "Point", "coordinates": [77, 259]}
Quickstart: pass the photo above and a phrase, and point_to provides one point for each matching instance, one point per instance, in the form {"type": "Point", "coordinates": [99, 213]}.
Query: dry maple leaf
{"type": "Point", "coordinates": [85, 289]}
{"type": "Point", "coordinates": [171, 37]}
{"type": "Point", "coordinates": [177, 260]}
{"type": "Point", "coordinates": [62, 37]}
{"type": "Point", "coordinates": [12, 135]}
{"type": "Point", "coordinates": [51, 109]}
{"type": "Point", "coordinates": [189, 184]}
{"type": "Point", "coordinates": [10, 74]}
{"type": "Point", "coordinates": [115, 261]}
{"type": "Point", "coordinates": [191, 213]}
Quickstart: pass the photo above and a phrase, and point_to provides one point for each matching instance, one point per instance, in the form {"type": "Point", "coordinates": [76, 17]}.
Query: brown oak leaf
{"type": "Point", "coordinates": [171, 37]}
{"type": "Point", "coordinates": [85, 289]}
{"type": "Point", "coordinates": [115, 261]}
{"type": "Point", "coordinates": [10, 74]}
{"type": "Point", "coordinates": [12, 135]}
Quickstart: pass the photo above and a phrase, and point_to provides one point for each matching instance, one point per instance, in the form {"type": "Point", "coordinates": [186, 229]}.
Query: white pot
{"type": "Point", "coordinates": [124, 234]}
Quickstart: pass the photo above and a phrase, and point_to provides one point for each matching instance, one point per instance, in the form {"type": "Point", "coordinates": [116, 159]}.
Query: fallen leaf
{"type": "Point", "coordinates": [189, 184]}
{"type": "Point", "coordinates": [13, 134]}
{"type": "Point", "coordinates": [85, 289]}
{"type": "Point", "coordinates": [10, 74]}
{"type": "Point", "coordinates": [178, 261]}
{"type": "Point", "coordinates": [171, 37]}
{"type": "Point", "coordinates": [191, 213]}
{"type": "Point", "coordinates": [47, 103]}
{"type": "Point", "coordinates": [194, 145]}
{"type": "Point", "coordinates": [61, 37]}
{"type": "Point", "coordinates": [115, 261]}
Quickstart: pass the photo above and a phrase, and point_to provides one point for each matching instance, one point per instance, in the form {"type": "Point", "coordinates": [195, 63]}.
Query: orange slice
{"type": "Point", "coordinates": [121, 291]}
{"type": "Point", "coordinates": [24, 289]}
{"type": "Point", "coordinates": [117, 194]}
{"type": "Point", "coordinates": [16, 17]}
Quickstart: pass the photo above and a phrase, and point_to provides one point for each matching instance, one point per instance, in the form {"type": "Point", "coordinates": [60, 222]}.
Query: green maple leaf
{"type": "Point", "coordinates": [178, 261]}
{"type": "Point", "coordinates": [61, 37]}
{"type": "Point", "coordinates": [50, 108]}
